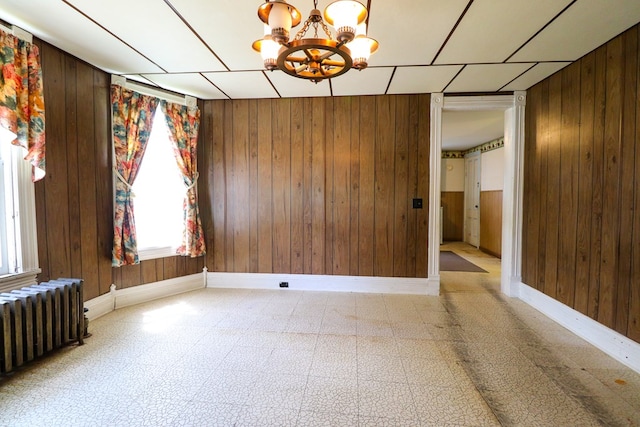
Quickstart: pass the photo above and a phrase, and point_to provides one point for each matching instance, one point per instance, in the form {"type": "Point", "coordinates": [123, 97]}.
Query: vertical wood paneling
{"type": "Point", "coordinates": [553, 185]}
{"type": "Point", "coordinates": [453, 215]}
{"type": "Point", "coordinates": [103, 168]}
{"type": "Point", "coordinates": [329, 165]}
{"type": "Point", "coordinates": [341, 186]}
{"type": "Point", "coordinates": [596, 127]}
{"type": "Point", "coordinates": [218, 244]}
{"type": "Point", "coordinates": [384, 186]}
{"type": "Point", "coordinates": [569, 146]}
{"type": "Point", "coordinates": [74, 202]}
{"type": "Point", "coordinates": [231, 202]}
{"type": "Point", "coordinates": [253, 185]}
{"type": "Point", "coordinates": [598, 181]}
{"type": "Point", "coordinates": [633, 329]}
{"type": "Point", "coordinates": [86, 187]}
{"type": "Point", "coordinates": [282, 186]}
{"type": "Point", "coordinates": [240, 174]}
{"type": "Point", "coordinates": [307, 168]}
{"type": "Point", "coordinates": [333, 187]}
{"type": "Point", "coordinates": [401, 202]}
{"type": "Point", "coordinates": [57, 194]}
{"type": "Point", "coordinates": [627, 166]}
{"type": "Point", "coordinates": [71, 140]}
{"type": "Point", "coordinates": [354, 202]}
{"type": "Point", "coordinates": [319, 199]}
{"type": "Point", "coordinates": [366, 220]}
{"type": "Point", "coordinates": [585, 183]}
{"type": "Point", "coordinates": [265, 210]}
{"type": "Point", "coordinates": [542, 153]}
{"type": "Point", "coordinates": [611, 197]}
{"type": "Point", "coordinates": [297, 188]}
{"type": "Point", "coordinates": [491, 222]}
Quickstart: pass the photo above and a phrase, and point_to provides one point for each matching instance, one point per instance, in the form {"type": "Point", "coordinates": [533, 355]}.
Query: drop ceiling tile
{"type": "Point", "coordinates": [422, 79]}
{"type": "Point", "coordinates": [535, 75]}
{"type": "Point", "coordinates": [371, 81]}
{"type": "Point", "coordinates": [492, 30]}
{"type": "Point", "coordinates": [153, 29]}
{"type": "Point", "coordinates": [292, 87]}
{"type": "Point", "coordinates": [34, 16]}
{"type": "Point", "coordinates": [243, 84]}
{"type": "Point", "coordinates": [229, 27]}
{"type": "Point", "coordinates": [586, 25]}
{"type": "Point", "coordinates": [192, 84]}
{"type": "Point", "coordinates": [486, 77]}
{"type": "Point", "coordinates": [411, 32]}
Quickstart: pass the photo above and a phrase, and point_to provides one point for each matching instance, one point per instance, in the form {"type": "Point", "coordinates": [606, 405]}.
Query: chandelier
{"type": "Point", "coordinates": [315, 58]}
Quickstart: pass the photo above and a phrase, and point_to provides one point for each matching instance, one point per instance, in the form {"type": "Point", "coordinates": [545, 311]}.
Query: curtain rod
{"type": "Point", "coordinates": [16, 31]}
{"type": "Point", "coordinates": [187, 100]}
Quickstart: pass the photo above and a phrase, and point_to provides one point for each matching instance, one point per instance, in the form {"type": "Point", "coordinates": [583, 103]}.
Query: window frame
{"type": "Point", "coordinates": [26, 268]}
{"type": "Point", "coordinates": [151, 253]}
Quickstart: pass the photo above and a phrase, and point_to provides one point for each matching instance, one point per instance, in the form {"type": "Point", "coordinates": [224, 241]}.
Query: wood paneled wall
{"type": "Point", "coordinates": [582, 185]}
{"type": "Point", "coordinates": [316, 185]}
{"type": "Point", "coordinates": [491, 222]}
{"type": "Point", "coordinates": [452, 215]}
{"type": "Point", "coordinates": [74, 202]}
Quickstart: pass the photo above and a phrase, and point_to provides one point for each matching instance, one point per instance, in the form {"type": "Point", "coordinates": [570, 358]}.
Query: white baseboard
{"type": "Point", "coordinates": [164, 288]}
{"type": "Point", "coordinates": [120, 298]}
{"type": "Point", "coordinates": [309, 282]}
{"type": "Point", "coordinates": [100, 306]}
{"type": "Point", "coordinates": [621, 348]}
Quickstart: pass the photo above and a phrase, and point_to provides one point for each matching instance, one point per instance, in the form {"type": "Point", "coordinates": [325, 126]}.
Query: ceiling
{"type": "Point", "coordinates": [203, 48]}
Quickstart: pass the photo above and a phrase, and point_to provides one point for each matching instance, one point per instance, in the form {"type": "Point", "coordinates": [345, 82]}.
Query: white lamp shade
{"type": "Point", "coordinates": [269, 49]}
{"type": "Point", "coordinates": [345, 14]}
{"type": "Point", "coordinates": [280, 17]}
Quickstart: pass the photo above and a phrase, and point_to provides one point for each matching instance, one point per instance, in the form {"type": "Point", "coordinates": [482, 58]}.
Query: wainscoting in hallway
{"type": "Point", "coordinates": [225, 357]}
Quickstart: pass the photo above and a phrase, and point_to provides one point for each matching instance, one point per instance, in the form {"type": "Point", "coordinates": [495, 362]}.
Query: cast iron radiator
{"type": "Point", "coordinates": [38, 319]}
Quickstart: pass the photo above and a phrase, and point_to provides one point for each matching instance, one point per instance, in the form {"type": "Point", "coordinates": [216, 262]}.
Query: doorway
{"type": "Point", "coordinates": [472, 199]}
{"type": "Point", "coordinates": [513, 108]}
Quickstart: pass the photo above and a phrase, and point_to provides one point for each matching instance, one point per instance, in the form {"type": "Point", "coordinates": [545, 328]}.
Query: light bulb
{"type": "Point", "coordinates": [345, 15]}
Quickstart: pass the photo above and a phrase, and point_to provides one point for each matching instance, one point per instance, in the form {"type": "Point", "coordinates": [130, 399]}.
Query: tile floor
{"type": "Point", "coordinates": [470, 357]}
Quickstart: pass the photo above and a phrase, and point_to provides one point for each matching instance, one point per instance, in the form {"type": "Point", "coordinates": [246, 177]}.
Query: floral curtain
{"type": "Point", "coordinates": [183, 123]}
{"type": "Point", "coordinates": [22, 98]}
{"type": "Point", "coordinates": [132, 119]}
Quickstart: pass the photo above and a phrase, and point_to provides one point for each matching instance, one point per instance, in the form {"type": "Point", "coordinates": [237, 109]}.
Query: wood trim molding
{"type": "Point", "coordinates": [621, 348]}
{"type": "Point", "coordinates": [324, 283]}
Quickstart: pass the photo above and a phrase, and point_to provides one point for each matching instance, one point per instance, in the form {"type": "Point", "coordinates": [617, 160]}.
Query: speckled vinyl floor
{"type": "Point", "coordinates": [470, 357]}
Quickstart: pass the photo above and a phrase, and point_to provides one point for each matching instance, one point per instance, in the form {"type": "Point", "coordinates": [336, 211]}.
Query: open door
{"type": "Point", "coordinates": [472, 199]}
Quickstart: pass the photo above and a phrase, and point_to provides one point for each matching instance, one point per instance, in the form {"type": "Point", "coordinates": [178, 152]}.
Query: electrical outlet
{"type": "Point", "coordinates": [417, 203]}
{"type": "Point", "coordinates": [284, 284]}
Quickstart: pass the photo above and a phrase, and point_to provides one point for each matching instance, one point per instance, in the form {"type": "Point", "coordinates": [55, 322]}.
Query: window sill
{"type": "Point", "coordinates": [154, 253]}
{"type": "Point", "coordinates": [10, 282]}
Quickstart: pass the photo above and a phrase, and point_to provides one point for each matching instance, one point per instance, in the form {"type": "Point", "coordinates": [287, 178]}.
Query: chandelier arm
{"type": "Point", "coordinates": [334, 63]}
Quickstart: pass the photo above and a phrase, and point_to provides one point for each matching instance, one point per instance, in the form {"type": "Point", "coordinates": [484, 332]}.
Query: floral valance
{"type": "Point", "coordinates": [22, 98]}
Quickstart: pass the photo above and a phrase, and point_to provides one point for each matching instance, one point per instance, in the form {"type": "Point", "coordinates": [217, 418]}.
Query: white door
{"type": "Point", "coordinates": [472, 199]}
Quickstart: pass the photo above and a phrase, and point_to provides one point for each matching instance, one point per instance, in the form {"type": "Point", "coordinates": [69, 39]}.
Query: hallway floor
{"type": "Point", "coordinates": [215, 357]}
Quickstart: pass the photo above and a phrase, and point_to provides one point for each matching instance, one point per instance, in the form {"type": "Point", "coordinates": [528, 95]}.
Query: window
{"type": "Point", "coordinates": [159, 194]}
{"type": "Point", "coordinates": [9, 243]}
{"type": "Point", "coordinates": [18, 243]}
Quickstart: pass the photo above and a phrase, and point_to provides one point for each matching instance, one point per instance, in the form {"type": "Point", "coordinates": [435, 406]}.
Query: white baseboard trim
{"type": "Point", "coordinates": [616, 345]}
{"type": "Point", "coordinates": [310, 282]}
{"type": "Point", "coordinates": [164, 288]}
{"type": "Point", "coordinates": [120, 298]}
{"type": "Point", "coordinates": [101, 305]}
